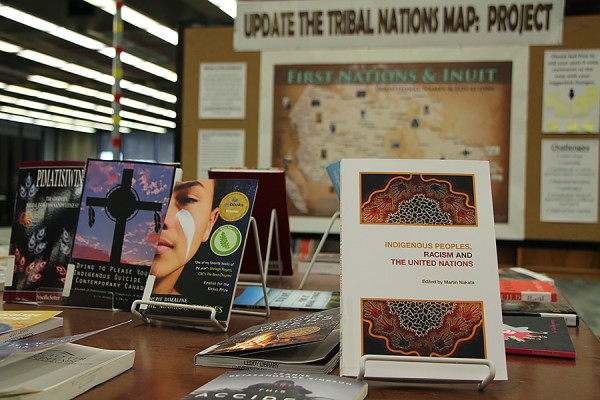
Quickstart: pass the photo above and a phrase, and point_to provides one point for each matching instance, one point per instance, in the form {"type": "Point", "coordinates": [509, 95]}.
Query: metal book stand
{"type": "Point", "coordinates": [431, 360]}
{"type": "Point", "coordinates": [334, 217]}
{"type": "Point", "coordinates": [208, 323]}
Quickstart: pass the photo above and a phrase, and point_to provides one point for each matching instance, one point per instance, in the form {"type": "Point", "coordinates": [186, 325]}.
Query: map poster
{"type": "Point", "coordinates": [463, 108]}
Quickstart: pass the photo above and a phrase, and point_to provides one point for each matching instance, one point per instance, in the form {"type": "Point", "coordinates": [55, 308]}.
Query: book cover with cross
{"type": "Point", "coordinates": [122, 211]}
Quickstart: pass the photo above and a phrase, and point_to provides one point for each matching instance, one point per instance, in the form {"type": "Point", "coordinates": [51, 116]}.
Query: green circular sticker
{"type": "Point", "coordinates": [225, 240]}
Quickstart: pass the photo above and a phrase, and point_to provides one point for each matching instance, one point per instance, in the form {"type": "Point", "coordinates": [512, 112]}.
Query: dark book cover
{"type": "Point", "coordinates": [541, 309]}
{"type": "Point", "coordinates": [271, 196]}
{"type": "Point", "coordinates": [122, 211]}
{"type": "Point", "coordinates": [277, 385]}
{"type": "Point", "coordinates": [201, 247]}
{"type": "Point", "coordinates": [537, 336]}
{"type": "Point", "coordinates": [289, 332]}
{"type": "Point", "coordinates": [46, 209]}
{"type": "Point", "coordinates": [305, 343]}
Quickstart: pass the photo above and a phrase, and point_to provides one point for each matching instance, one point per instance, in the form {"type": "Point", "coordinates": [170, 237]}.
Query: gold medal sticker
{"type": "Point", "coordinates": [307, 330]}
{"type": "Point", "coordinates": [234, 206]}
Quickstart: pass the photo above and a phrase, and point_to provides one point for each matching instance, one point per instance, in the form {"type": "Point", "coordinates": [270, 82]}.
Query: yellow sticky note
{"type": "Point", "coordinates": [571, 126]}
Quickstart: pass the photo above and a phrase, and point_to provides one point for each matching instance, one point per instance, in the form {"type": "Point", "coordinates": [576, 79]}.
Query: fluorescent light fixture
{"type": "Point", "coordinates": [150, 121]}
{"type": "Point", "coordinates": [43, 80]}
{"type": "Point", "coordinates": [96, 94]}
{"type": "Point", "coordinates": [138, 19]}
{"type": "Point", "coordinates": [80, 40]}
{"type": "Point", "coordinates": [229, 7]}
{"type": "Point", "coordinates": [26, 19]}
{"type": "Point", "coordinates": [42, 58]}
{"type": "Point", "coordinates": [93, 74]}
{"type": "Point", "coordinates": [9, 47]}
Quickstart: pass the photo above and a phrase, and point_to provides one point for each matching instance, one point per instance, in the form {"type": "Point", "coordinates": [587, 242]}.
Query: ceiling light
{"type": "Point", "coordinates": [93, 74]}
{"type": "Point", "coordinates": [138, 19]}
{"type": "Point", "coordinates": [229, 7]}
{"type": "Point", "coordinates": [26, 19]}
{"type": "Point", "coordinates": [9, 47]}
{"type": "Point", "coordinates": [97, 94]}
{"type": "Point", "coordinates": [42, 58]}
{"type": "Point", "coordinates": [81, 40]}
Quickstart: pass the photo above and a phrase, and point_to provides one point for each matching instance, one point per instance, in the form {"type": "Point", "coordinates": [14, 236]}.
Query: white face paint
{"type": "Point", "coordinates": [187, 225]}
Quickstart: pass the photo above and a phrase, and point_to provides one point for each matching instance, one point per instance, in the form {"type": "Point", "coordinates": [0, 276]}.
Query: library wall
{"type": "Point", "coordinates": [556, 248]}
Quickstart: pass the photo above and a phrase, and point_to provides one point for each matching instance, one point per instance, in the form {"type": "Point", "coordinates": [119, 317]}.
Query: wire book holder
{"type": "Point", "coordinates": [432, 360]}
{"type": "Point", "coordinates": [334, 217]}
{"type": "Point", "coordinates": [210, 322]}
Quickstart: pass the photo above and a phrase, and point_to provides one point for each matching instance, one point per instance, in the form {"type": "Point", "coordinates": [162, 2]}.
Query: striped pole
{"type": "Point", "coordinates": [117, 73]}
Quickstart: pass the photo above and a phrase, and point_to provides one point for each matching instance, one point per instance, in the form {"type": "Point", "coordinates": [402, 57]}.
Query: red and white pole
{"type": "Point", "coordinates": [117, 73]}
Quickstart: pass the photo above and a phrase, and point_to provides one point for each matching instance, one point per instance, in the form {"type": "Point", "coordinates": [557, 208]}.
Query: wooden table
{"type": "Point", "coordinates": [164, 362]}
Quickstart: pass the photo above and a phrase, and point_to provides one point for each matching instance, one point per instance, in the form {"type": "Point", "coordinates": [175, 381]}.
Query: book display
{"type": "Point", "coordinates": [271, 215]}
{"type": "Point", "coordinates": [431, 286]}
{"type": "Point", "coordinates": [538, 336]}
{"type": "Point", "coordinates": [277, 385]}
{"type": "Point", "coordinates": [45, 217]}
{"type": "Point", "coordinates": [21, 324]}
{"type": "Point", "coordinates": [201, 246]}
{"type": "Point", "coordinates": [308, 343]}
{"type": "Point", "coordinates": [122, 210]}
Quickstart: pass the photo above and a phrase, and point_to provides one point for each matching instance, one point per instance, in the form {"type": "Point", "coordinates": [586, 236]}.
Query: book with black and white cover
{"type": "Point", "coordinates": [62, 372]}
{"type": "Point", "coordinates": [279, 385]}
{"type": "Point", "coordinates": [308, 343]}
{"type": "Point", "coordinates": [419, 273]}
{"type": "Point", "coordinates": [20, 324]}
{"type": "Point", "coordinates": [45, 217]}
{"type": "Point", "coordinates": [121, 216]}
{"type": "Point", "coordinates": [541, 309]}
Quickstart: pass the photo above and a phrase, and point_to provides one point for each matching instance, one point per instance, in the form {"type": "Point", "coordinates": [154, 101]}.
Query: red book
{"type": "Point", "coordinates": [271, 195]}
{"type": "Point", "coordinates": [527, 290]}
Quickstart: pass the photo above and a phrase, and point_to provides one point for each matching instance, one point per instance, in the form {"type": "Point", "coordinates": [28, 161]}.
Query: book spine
{"type": "Point", "coordinates": [20, 334]}
{"type": "Point", "coordinates": [529, 296]}
{"type": "Point", "coordinates": [570, 319]}
{"type": "Point", "coordinates": [542, 353]}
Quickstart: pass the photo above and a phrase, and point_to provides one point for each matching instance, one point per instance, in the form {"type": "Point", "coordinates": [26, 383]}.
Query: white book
{"type": "Point", "coordinates": [62, 372]}
{"type": "Point", "coordinates": [418, 269]}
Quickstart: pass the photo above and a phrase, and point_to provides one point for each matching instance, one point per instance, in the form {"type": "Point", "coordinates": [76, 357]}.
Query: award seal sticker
{"type": "Point", "coordinates": [225, 240]}
{"type": "Point", "coordinates": [234, 206]}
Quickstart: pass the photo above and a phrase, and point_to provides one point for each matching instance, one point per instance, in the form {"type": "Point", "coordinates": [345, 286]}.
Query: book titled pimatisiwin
{"type": "Point", "coordinates": [527, 290]}
{"type": "Point", "coordinates": [308, 343]}
{"type": "Point", "coordinates": [122, 211]}
{"type": "Point", "coordinates": [537, 336]}
{"type": "Point", "coordinates": [277, 385]}
{"type": "Point", "coordinates": [45, 217]}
